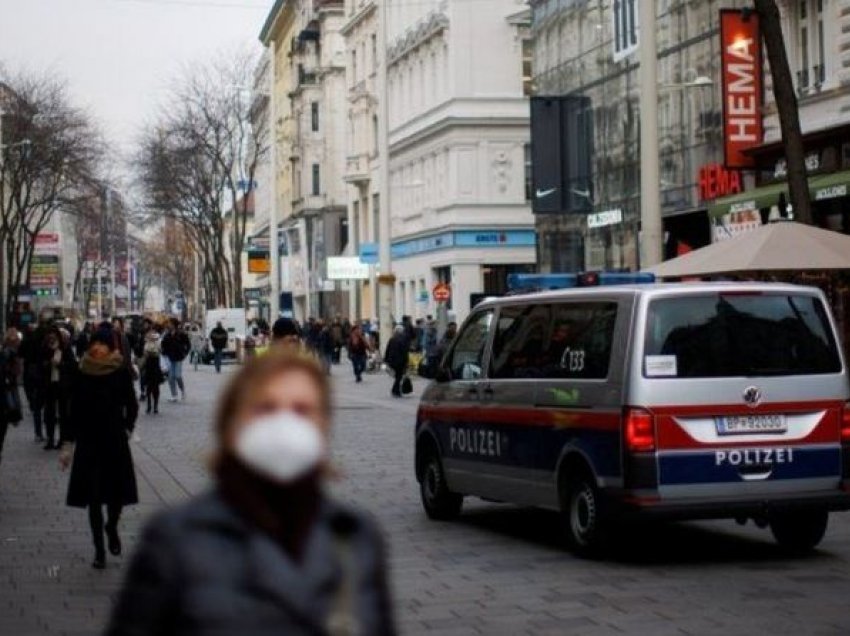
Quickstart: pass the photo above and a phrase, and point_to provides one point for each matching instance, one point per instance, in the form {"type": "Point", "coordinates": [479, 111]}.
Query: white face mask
{"type": "Point", "coordinates": [282, 446]}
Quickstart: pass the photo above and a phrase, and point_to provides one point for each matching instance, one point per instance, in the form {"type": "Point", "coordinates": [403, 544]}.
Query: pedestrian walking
{"type": "Point", "coordinates": [175, 348]}
{"type": "Point", "coordinates": [286, 332]}
{"type": "Point", "coordinates": [10, 373]}
{"type": "Point", "coordinates": [266, 551]}
{"type": "Point", "coordinates": [81, 342]}
{"type": "Point", "coordinates": [139, 352]}
{"type": "Point", "coordinates": [218, 342]}
{"type": "Point", "coordinates": [337, 336]}
{"type": "Point", "coordinates": [151, 370]}
{"type": "Point", "coordinates": [32, 354]}
{"type": "Point", "coordinates": [197, 352]}
{"type": "Point", "coordinates": [59, 366]}
{"type": "Point", "coordinates": [396, 357]}
{"type": "Point", "coordinates": [325, 346]}
{"type": "Point", "coordinates": [358, 351]}
{"type": "Point", "coordinates": [103, 414]}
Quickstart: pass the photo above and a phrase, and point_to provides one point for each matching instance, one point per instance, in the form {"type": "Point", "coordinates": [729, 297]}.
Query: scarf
{"type": "Point", "coordinates": [285, 512]}
{"type": "Point", "coordinates": [99, 360]}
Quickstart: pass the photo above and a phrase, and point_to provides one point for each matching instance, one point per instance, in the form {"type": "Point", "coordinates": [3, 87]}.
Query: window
{"type": "Point", "coordinates": [374, 134]}
{"type": "Point", "coordinates": [811, 56]}
{"type": "Point", "coordinates": [316, 182]}
{"type": "Point", "coordinates": [558, 341]}
{"type": "Point", "coordinates": [467, 357]}
{"type": "Point", "coordinates": [314, 116]}
{"type": "Point", "coordinates": [376, 217]}
{"type": "Point", "coordinates": [529, 181]}
{"type": "Point", "coordinates": [354, 67]}
{"type": "Point", "coordinates": [624, 17]}
{"type": "Point", "coordinates": [720, 335]}
{"type": "Point", "coordinates": [527, 66]}
{"type": "Point", "coordinates": [374, 41]}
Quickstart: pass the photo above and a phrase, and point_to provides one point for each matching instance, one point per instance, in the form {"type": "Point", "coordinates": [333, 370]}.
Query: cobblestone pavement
{"type": "Point", "coordinates": [498, 570]}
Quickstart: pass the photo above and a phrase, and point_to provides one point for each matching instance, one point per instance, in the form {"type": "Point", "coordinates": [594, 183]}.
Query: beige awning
{"type": "Point", "coordinates": [783, 246]}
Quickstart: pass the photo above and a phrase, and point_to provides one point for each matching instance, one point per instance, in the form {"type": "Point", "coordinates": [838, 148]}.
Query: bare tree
{"type": "Point", "coordinates": [49, 152]}
{"type": "Point", "coordinates": [786, 107]}
{"type": "Point", "coordinates": [199, 160]}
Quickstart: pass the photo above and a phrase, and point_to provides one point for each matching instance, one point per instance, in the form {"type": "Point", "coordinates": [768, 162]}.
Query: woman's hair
{"type": "Point", "coordinates": [251, 377]}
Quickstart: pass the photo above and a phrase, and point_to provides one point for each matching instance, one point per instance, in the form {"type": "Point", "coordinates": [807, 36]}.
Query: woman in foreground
{"type": "Point", "coordinates": [266, 551]}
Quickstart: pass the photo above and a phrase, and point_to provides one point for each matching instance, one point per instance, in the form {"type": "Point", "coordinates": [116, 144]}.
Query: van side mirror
{"type": "Point", "coordinates": [442, 374]}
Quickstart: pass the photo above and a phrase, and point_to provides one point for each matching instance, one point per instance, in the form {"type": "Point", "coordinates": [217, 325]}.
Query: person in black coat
{"type": "Point", "coordinates": [266, 551]}
{"type": "Point", "coordinates": [396, 357]}
{"type": "Point", "coordinates": [103, 413]}
{"type": "Point", "coordinates": [59, 367]}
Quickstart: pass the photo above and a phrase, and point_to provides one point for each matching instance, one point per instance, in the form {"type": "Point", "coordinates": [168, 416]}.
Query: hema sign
{"type": "Point", "coordinates": [741, 73]}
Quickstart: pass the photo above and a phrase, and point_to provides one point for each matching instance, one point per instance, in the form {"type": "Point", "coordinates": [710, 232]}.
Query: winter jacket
{"type": "Point", "coordinates": [103, 412]}
{"type": "Point", "coordinates": [218, 338]}
{"type": "Point", "coordinates": [396, 356]}
{"type": "Point", "coordinates": [176, 345]}
{"type": "Point", "coordinates": [202, 569]}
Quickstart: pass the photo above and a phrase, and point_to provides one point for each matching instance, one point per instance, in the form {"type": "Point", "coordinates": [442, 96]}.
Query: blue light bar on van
{"type": "Point", "coordinates": [542, 282]}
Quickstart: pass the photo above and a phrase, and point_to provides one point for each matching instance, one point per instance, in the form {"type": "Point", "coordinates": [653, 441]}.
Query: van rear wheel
{"type": "Point", "coordinates": [439, 502]}
{"type": "Point", "coordinates": [583, 516]}
{"type": "Point", "coordinates": [799, 531]}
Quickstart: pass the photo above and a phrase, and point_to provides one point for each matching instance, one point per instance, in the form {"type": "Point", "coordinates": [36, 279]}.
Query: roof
{"type": "Point", "coordinates": [638, 290]}
{"type": "Point", "coordinates": [265, 33]}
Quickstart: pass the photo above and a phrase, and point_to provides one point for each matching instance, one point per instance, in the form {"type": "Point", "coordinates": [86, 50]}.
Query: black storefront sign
{"type": "Point", "coordinates": [561, 152]}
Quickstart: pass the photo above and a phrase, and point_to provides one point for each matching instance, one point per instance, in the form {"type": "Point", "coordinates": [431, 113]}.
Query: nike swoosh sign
{"type": "Point", "coordinates": [544, 193]}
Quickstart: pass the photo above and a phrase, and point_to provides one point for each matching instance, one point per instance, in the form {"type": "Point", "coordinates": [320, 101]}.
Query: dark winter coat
{"type": "Point", "coordinates": [103, 413]}
{"type": "Point", "coordinates": [67, 368]}
{"type": "Point", "coordinates": [176, 346]}
{"type": "Point", "coordinates": [201, 569]}
{"type": "Point", "coordinates": [396, 356]}
{"type": "Point", "coordinates": [218, 338]}
{"type": "Point", "coordinates": [152, 370]}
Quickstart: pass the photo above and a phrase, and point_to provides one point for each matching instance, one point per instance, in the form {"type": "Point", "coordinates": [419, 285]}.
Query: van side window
{"type": "Point", "coordinates": [467, 357]}
{"type": "Point", "coordinates": [557, 341]}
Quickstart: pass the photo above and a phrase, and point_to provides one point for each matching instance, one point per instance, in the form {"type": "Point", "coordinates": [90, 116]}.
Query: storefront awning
{"type": "Point", "coordinates": [830, 186]}
{"type": "Point", "coordinates": [821, 188]}
{"type": "Point", "coordinates": [755, 199]}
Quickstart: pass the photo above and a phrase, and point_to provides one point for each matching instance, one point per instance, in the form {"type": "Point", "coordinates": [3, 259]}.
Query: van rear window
{"type": "Point", "coordinates": [739, 335]}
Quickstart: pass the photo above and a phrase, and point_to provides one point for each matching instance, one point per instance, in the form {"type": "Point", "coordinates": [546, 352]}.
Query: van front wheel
{"type": "Point", "coordinates": [583, 516]}
{"type": "Point", "coordinates": [799, 532]}
{"type": "Point", "coordinates": [439, 502]}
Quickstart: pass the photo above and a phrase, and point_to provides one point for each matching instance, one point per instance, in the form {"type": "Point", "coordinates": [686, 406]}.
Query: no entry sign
{"type": "Point", "coordinates": [441, 292]}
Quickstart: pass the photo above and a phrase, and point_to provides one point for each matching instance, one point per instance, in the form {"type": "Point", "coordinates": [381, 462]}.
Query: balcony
{"type": "Point", "coordinates": [357, 169]}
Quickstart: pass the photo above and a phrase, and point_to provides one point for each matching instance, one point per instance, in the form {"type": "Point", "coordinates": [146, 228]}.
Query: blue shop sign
{"type": "Point", "coordinates": [464, 238]}
{"type": "Point", "coordinates": [369, 254]}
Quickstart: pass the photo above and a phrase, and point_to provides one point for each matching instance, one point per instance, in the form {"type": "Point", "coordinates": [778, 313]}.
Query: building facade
{"type": "Point", "coordinates": [362, 157]}
{"type": "Point", "coordinates": [458, 143]}
{"type": "Point", "coordinates": [586, 53]}
{"type": "Point", "coordinates": [309, 92]}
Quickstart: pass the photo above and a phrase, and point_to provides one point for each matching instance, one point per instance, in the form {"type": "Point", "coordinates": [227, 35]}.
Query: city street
{"type": "Point", "coordinates": [498, 570]}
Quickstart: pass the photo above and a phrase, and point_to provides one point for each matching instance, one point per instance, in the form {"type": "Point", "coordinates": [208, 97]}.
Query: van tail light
{"type": "Point", "coordinates": [640, 431]}
{"type": "Point", "coordinates": [845, 423]}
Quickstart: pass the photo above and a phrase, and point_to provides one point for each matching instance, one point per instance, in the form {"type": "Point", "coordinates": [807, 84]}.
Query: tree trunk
{"type": "Point", "coordinates": [786, 107]}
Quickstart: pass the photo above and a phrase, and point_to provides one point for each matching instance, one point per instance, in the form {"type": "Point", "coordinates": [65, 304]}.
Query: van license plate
{"type": "Point", "coordinates": [750, 424]}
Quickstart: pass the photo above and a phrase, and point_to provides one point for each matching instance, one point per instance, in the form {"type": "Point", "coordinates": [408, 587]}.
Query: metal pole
{"type": "Point", "coordinates": [650, 203]}
{"type": "Point", "coordinates": [386, 279]}
{"type": "Point", "coordinates": [274, 243]}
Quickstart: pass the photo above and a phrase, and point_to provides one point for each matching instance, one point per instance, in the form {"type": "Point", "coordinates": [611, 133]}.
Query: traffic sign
{"type": "Point", "coordinates": [442, 292]}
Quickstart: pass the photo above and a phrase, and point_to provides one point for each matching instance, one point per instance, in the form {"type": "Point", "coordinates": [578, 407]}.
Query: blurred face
{"type": "Point", "coordinates": [293, 391]}
{"type": "Point", "coordinates": [52, 341]}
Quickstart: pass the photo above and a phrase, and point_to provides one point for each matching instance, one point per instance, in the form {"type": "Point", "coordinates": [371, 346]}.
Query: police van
{"type": "Point", "coordinates": [689, 400]}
